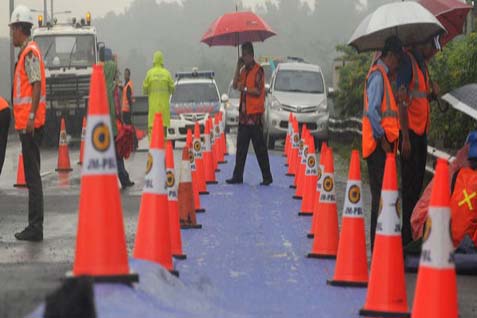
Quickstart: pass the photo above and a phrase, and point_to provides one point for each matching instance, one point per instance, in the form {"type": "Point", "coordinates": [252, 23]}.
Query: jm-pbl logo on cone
{"type": "Point", "coordinates": [102, 159]}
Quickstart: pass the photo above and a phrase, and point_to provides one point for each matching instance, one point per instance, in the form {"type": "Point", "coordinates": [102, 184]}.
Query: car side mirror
{"type": "Point", "coordinates": [224, 98]}
{"type": "Point", "coordinates": [331, 92]}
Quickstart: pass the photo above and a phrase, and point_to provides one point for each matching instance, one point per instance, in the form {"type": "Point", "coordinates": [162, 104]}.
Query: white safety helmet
{"type": "Point", "coordinates": [21, 14]}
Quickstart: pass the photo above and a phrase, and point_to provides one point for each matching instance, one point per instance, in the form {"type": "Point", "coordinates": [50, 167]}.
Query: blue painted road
{"type": "Point", "coordinates": [248, 260]}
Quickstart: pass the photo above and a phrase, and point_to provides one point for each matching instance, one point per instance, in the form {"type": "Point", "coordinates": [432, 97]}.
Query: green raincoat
{"type": "Point", "coordinates": [110, 75]}
{"type": "Point", "coordinates": [158, 86]}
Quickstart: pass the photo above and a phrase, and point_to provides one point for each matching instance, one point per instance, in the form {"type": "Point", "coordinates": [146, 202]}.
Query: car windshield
{"type": "Point", "coordinates": [299, 82]}
{"type": "Point", "coordinates": [195, 93]}
{"type": "Point", "coordinates": [67, 50]}
{"type": "Point", "coordinates": [233, 93]}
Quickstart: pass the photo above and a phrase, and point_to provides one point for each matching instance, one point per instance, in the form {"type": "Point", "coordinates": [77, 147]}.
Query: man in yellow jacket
{"type": "Point", "coordinates": [158, 86]}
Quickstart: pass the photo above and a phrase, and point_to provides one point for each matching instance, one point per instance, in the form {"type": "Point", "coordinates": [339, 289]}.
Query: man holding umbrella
{"type": "Point", "coordinates": [249, 80]}
{"type": "Point", "coordinates": [413, 76]}
{"type": "Point", "coordinates": [380, 120]}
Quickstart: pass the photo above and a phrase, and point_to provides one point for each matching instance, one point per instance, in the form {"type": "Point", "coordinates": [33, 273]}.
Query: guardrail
{"type": "Point", "coordinates": [353, 125]}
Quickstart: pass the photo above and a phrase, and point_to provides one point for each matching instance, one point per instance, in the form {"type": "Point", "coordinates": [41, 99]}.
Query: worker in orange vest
{"type": "Point", "coordinates": [413, 75]}
{"type": "Point", "coordinates": [29, 107]}
{"type": "Point", "coordinates": [380, 131]}
{"type": "Point", "coordinates": [464, 197]}
{"type": "Point", "coordinates": [5, 117]}
{"type": "Point", "coordinates": [127, 99]}
{"type": "Point", "coordinates": [249, 80]}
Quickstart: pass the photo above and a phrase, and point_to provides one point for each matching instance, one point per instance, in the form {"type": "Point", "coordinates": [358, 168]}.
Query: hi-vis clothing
{"type": "Point", "coordinates": [3, 104]}
{"type": "Point", "coordinates": [125, 102]}
{"type": "Point", "coordinates": [418, 110]}
{"type": "Point", "coordinates": [253, 104]}
{"type": "Point", "coordinates": [389, 115]}
{"type": "Point", "coordinates": [158, 86]}
{"type": "Point", "coordinates": [464, 206]}
{"type": "Point", "coordinates": [22, 90]}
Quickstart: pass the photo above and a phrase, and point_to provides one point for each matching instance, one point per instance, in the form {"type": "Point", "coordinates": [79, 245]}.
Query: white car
{"type": "Point", "coordinates": [195, 99]}
{"type": "Point", "coordinates": [297, 88]}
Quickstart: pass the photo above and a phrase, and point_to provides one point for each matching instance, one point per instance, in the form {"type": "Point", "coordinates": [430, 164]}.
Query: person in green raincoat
{"type": "Point", "coordinates": [158, 86]}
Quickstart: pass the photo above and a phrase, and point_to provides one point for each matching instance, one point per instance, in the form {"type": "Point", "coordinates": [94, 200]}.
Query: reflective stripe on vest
{"type": "Point", "coordinates": [22, 91]}
{"type": "Point", "coordinates": [389, 115]}
{"type": "Point", "coordinates": [418, 111]}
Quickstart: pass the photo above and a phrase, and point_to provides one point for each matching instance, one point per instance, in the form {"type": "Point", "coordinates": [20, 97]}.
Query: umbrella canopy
{"type": "Point", "coordinates": [451, 13]}
{"type": "Point", "coordinates": [464, 99]}
{"type": "Point", "coordinates": [409, 21]}
{"type": "Point", "coordinates": [234, 29]}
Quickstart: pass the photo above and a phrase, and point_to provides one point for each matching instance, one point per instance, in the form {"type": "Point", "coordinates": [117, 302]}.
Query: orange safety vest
{"type": "Point", "coordinates": [126, 107]}
{"type": "Point", "coordinates": [389, 115]}
{"type": "Point", "coordinates": [253, 104]}
{"type": "Point", "coordinates": [464, 206]}
{"type": "Point", "coordinates": [22, 90]}
{"type": "Point", "coordinates": [3, 103]}
{"type": "Point", "coordinates": [418, 111]}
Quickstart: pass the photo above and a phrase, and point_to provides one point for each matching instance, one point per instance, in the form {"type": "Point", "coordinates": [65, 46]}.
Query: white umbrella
{"type": "Point", "coordinates": [409, 21]}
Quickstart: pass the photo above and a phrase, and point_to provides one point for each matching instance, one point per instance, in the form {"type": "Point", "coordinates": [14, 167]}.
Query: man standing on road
{"type": "Point", "coordinates": [29, 107]}
{"type": "Point", "coordinates": [127, 99]}
{"type": "Point", "coordinates": [413, 76]}
{"type": "Point", "coordinates": [5, 117]}
{"type": "Point", "coordinates": [158, 86]}
{"type": "Point", "coordinates": [249, 80]}
{"type": "Point", "coordinates": [380, 121]}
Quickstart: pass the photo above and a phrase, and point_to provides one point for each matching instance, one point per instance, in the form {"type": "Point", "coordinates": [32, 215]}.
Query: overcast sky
{"type": "Point", "coordinates": [80, 7]}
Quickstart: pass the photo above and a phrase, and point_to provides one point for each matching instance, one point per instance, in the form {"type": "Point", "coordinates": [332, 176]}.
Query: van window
{"type": "Point", "coordinates": [298, 81]}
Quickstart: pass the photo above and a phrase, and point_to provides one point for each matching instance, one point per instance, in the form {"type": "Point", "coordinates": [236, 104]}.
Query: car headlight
{"type": "Point", "coordinates": [275, 105]}
{"type": "Point", "coordinates": [228, 105]}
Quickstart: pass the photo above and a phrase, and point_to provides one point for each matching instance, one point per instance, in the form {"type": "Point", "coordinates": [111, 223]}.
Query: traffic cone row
{"type": "Point", "coordinates": [436, 291]}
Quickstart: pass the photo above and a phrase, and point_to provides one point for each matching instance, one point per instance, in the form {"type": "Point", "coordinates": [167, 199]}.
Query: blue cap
{"type": "Point", "coordinates": [472, 141]}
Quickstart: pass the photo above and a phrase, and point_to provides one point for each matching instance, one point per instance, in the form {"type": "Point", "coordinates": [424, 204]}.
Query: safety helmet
{"type": "Point", "coordinates": [21, 14]}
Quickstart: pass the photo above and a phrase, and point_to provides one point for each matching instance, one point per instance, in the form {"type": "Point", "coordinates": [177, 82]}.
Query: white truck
{"type": "Point", "coordinates": [70, 50]}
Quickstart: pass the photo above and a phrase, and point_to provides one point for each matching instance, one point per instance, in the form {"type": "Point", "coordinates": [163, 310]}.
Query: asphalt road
{"type": "Point", "coordinates": [29, 271]}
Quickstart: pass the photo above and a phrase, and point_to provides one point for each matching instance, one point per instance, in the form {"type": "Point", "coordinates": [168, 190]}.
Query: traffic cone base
{"type": "Point", "coordinates": [20, 186]}
{"type": "Point", "coordinates": [190, 226]}
{"type": "Point", "coordinates": [174, 272]}
{"type": "Point", "coordinates": [296, 197]}
{"type": "Point", "coordinates": [310, 235]}
{"type": "Point", "coordinates": [292, 186]}
{"type": "Point", "coordinates": [339, 283]}
{"type": "Point", "coordinates": [305, 213]}
{"type": "Point", "coordinates": [179, 256]}
{"type": "Point", "coordinates": [383, 314]}
{"type": "Point", "coordinates": [63, 170]}
{"type": "Point", "coordinates": [212, 182]}
{"type": "Point", "coordinates": [200, 211]}
{"type": "Point", "coordinates": [126, 279]}
{"type": "Point", "coordinates": [204, 193]}
{"type": "Point", "coordinates": [290, 175]}
{"type": "Point", "coordinates": [322, 256]}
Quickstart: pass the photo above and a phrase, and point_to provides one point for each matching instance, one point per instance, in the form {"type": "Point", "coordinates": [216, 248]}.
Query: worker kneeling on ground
{"type": "Point", "coordinates": [464, 197]}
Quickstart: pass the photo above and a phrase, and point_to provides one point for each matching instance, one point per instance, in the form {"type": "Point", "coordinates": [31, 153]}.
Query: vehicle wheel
{"type": "Point", "coordinates": [271, 143]}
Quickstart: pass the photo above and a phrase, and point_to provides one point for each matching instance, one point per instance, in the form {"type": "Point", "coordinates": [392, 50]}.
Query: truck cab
{"type": "Point", "coordinates": [69, 51]}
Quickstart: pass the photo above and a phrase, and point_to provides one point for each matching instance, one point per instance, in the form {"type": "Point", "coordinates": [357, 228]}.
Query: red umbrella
{"type": "Point", "coordinates": [234, 29]}
{"type": "Point", "coordinates": [451, 13]}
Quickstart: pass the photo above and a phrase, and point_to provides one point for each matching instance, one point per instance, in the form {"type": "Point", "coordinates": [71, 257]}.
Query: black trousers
{"type": "Point", "coordinates": [31, 161]}
{"type": "Point", "coordinates": [412, 179]}
{"type": "Point", "coordinates": [376, 162]}
{"type": "Point", "coordinates": [122, 173]}
{"type": "Point", "coordinates": [5, 118]}
{"type": "Point", "coordinates": [245, 134]}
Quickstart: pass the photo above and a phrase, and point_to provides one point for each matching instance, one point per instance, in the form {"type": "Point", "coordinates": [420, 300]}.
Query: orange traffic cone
{"type": "Point", "coordinates": [199, 160]}
{"type": "Point", "coordinates": [153, 235]}
{"type": "Point", "coordinates": [387, 286]}
{"type": "Point", "coordinates": [295, 144]}
{"type": "Point", "coordinates": [299, 163]}
{"type": "Point", "coordinates": [186, 196]}
{"type": "Point", "coordinates": [310, 180]}
{"type": "Point", "coordinates": [220, 145]}
{"type": "Point", "coordinates": [325, 244]}
{"type": "Point", "coordinates": [173, 205]}
{"type": "Point", "coordinates": [83, 134]}
{"type": "Point", "coordinates": [302, 153]}
{"type": "Point", "coordinates": [21, 182]}
{"type": "Point", "coordinates": [286, 149]}
{"type": "Point", "coordinates": [216, 142]}
{"type": "Point", "coordinates": [319, 186]}
{"type": "Point", "coordinates": [351, 267]}
{"type": "Point", "coordinates": [193, 168]}
{"type": "Point", "coordinates": [208, 157]}
{"type": "Point", "coordinates": [100, 241]}
{"type": "Point", "coordinates": [436, 288]}
{"type": "Point", "coordinates": [63, 153]}
{"type": "Point", "coordinates": [223, 139]}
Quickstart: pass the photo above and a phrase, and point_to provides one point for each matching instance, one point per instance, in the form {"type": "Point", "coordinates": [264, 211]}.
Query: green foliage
{"type": "Point", "coordinates": [349, 97]}
{"type": "Point", "coordinates": [455, 66]}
